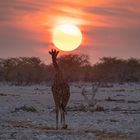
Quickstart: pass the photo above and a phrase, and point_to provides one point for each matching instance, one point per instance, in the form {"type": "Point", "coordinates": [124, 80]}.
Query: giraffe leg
{"type": "Point", "coordinates": [61, 117]}
{"type": "Point", "coordinates": [64, 124]}
{"type": "Point", "coordinates": [57, 113]}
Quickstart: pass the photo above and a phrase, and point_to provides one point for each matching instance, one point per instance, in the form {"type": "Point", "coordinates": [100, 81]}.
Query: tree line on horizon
{"type": "Point", "coordinates": [75, 67]}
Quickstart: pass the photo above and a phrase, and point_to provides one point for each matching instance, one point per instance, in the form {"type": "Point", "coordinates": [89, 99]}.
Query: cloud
{"type": "Point", "coordinates": [17, 41]}
{"type": "Point", "coordinates": [112, 11]}
{"type": "Point", "coordinates": [111, 27]}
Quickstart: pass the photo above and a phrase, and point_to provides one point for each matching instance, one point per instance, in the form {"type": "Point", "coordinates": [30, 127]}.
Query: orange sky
{"type": "Point", "coordinates": [109, 27]}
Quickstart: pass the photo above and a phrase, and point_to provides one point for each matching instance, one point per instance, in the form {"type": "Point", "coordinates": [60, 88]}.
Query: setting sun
{"type": "Point", "coordinates": [67, 37]}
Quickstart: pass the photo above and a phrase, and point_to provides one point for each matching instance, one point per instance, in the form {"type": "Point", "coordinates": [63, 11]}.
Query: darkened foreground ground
{"type": "Point", "coordinates": [27, 113]}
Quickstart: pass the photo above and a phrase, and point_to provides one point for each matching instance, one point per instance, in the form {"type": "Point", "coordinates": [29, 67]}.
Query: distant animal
{"type": "Point", "coordinates": [61, 91]}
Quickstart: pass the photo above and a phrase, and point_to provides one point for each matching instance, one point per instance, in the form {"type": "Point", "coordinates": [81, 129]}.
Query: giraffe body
{"type": "Point", "coordinates": [61, 91]}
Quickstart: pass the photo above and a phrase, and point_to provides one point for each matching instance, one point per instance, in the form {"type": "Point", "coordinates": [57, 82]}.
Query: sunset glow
{"type": "Point", "coordinates": [109, 28]}
{"type": "Point", "coordinates": [67, 37]}
{"type": "Point", "coordinates": [70, 69]}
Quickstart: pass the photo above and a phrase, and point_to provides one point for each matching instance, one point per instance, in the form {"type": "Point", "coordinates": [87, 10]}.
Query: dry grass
{"type": "Point", "coordinates": [2, 94]}
{"type": "Point", "coordinates": [116, 136]}
{"type": "Point", "coordinates": [100, 135]}
{"type": "Point", "coordinates": [26, 108]}
{"type": "Point", "coordinates": [114, 100]}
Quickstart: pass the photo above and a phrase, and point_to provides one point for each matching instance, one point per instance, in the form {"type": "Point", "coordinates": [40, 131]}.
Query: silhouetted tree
{"type": "Point", "coordinates": [73, 66]}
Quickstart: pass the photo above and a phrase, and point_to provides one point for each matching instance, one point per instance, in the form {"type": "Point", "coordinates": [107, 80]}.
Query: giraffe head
{"type": "Point", "coordinates": [53, 53]}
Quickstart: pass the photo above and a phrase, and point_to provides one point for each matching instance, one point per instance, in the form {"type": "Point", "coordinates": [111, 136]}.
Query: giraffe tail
{"type": "Point", "coordinates": [63, 108]}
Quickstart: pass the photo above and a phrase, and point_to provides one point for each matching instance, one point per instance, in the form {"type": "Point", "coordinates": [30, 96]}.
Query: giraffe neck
{"type": "Point", "coordinates": [55, 64]}
{"type": "Point", "coordinates": [58, 74]}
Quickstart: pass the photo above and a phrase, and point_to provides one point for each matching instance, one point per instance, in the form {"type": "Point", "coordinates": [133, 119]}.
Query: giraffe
{"type": "Point", "coordinates": [60, 90]}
